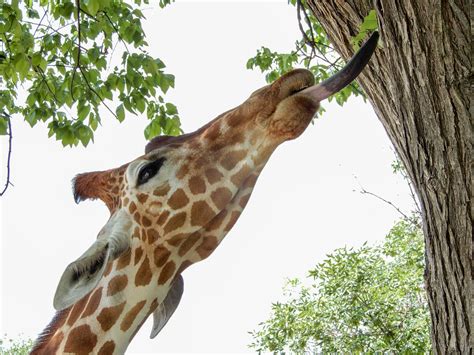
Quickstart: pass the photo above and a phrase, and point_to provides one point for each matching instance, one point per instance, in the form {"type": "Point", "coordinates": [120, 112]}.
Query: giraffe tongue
{"type": "Point", "coordinates": [165, 310]}
{"type": "Point", "coordinates": [346, 75]}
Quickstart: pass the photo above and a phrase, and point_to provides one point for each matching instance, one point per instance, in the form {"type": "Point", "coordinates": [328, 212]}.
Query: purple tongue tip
{"type": "Point", "coordinates": [347, 74]}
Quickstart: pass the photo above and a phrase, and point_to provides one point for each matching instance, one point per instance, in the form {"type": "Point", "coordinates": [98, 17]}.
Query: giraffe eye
{"type": "Point", "coordinates": [149, 170]}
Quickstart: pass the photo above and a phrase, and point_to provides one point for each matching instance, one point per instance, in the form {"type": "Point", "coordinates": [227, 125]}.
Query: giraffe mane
{"type": "Point", "coordinates": [46, 335]}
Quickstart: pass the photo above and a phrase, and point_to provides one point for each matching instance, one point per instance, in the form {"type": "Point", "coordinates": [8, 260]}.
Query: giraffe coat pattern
{"type": "Point", "coordinates": [169, 209]}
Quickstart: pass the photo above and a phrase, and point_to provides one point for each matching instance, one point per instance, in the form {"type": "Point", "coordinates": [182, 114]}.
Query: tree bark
{"type": "Point", "coordinates": [419, 85]}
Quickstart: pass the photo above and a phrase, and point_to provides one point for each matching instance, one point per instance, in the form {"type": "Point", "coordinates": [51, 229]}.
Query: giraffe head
{"type": "Point", "coordinates": [173, 205]}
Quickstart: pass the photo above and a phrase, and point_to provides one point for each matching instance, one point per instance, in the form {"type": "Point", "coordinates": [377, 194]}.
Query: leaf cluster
{"type": "Point", "coordinates": [313, 52]}
{"type": "Point", "coordinates": [20, 346]}
{"type": "Point", "coordinates": [63, 54]}
{"type": "Point", "coordinates": [365, 300]}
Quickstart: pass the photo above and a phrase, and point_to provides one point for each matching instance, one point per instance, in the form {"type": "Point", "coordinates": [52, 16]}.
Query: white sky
{"type": "Point", "coordinates": [304, 205]}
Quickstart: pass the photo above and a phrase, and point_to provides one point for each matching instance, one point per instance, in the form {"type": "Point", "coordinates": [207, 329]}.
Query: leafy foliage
{"type": "Point", "coordinates": [19, 346]}
{"type": "Point", "coordinates": [366, 27]}
{"type": "Point", "coordinates": [63, 54]}
{"type": "Point", "coordinates": [313, 51]}
{"type": "Point", "coordinates": [366, 300]}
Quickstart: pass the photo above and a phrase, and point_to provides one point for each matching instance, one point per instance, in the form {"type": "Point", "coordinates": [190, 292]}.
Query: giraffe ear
{"type": "Point", "coordinates": [165, 310]}
{"type": "Point", "coordinates": [82, 275]}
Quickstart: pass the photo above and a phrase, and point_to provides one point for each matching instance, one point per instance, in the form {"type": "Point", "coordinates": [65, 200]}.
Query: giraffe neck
{"type": "Point", "coordinates": [106, 320]}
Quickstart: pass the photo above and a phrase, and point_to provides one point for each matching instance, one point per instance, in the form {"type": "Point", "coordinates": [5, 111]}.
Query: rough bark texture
{"type": "Point", "coordinates": [419, 85]}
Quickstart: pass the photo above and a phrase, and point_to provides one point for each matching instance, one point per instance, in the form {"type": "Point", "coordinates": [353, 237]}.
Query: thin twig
{"type": "Point", "coordinates": [55, 30]}
{"type": "Point", "coordinates": [364, 191]}
{"type": "Point", "coordinates": [9, 155]}
{"type": "Point", "coordinates": [78, 59]}
{"type": "Point", "coordinates": [46, 82]}
{"type": "Point", "coordinates": [96, 93]}
{"type": "Point", "coordinates": [42, 18]}
{"type": "Point", "coordinates": [116, 30]}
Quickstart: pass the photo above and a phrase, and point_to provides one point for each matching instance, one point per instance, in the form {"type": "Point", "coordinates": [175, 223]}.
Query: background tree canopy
{"type": "Point", "coordinates": [65, 55]}
{"type": "Point", "coordinates": [364, 300]}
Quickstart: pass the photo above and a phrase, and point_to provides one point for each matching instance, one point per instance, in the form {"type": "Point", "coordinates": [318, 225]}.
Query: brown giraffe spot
{"type": "Point", "coordinates": [77, 309]}
{"type": "Point", "coordinates": [120, 179]}
{"type": "Point", "coordinates": [208, 245]}
{"type": "Point", "coordinates": [162, 190]}
{"type": "Point", "coordinates": [213, 175]}
{"type": "Point", "coordinates": [218, 145]}
{"type": "Point", "coordinates": [175, 222]}
{"type": "Point", "coordinates": [144, 275]}
{"type": "Point", "coordinates": [137, 217]}
{"type": "Point", "coordinates": [146, 221]}
{"type": "Point", "coordinates": [93, 303]}
{"type": "Point", "coordinates": [197, 185]}
{"type": "Point", "coordinates": [108, 268]}
{"type": "Point", "coordinates": [234, 118]}
{"type": "Point", "coordinates": [233, 218]}
{"type": "Point", "coordinates": [142, 198]}
{"type": "Point", "coordinates": [131, 315]}
{"type": "Point", "coordinates": [203, 160]}
{"type": "Point", "coordinates": [243, 201]}
{"type": "Point", "coordinates": [213, 132]}
{"type": "Point", "coordinates": [115, 190]}
{"type": "Point", "coordinates": [167, 272]}
{"type": "Point", "coordinates": [182, 172]}
{"type": "Point", "coordinates": [136, 232]}
{"type": "Point", "coordinates": [239, 178]}
{"type": "Point", "coordinates": [231, 159]}
{"type": "Point", "coordinates": [221, 197]}
{"type": "Point", "coordinates": [250, 181]}
{"type": "Point", "coordinates": [161, 255]}
{"type": "Point", "coordinates": [153, 235]}
{"type": "Point", "coordinates": [188, 243]}
{"type": "Point", "coordinates": [107, 349]}
{"type": "Point", "coordinates": [138, 255]}
{"type": "Point", "coordinates": [237, 138]}
{"type": "Point", "coordinates": [178, 199]}
{"type": "Point", "coordinates": [126, 201]}
{"type": "Point", "coordinates": [201, 213]}
{"type": "Point", "coordinates": [153, 306]}
{"type": "Point", "coordinates": [124, 259]}
{"type": "Point", "coordinates": [216, 221]}
{"type": "Point", "coordinates": [108, 316]}
{"type": "Point", "coordinates": [81, 340]}
{"type": "Point", "coordinates": [163, 217]}
{"type": "Point", "coordinates": [132, 208]}
{"type": "Point", "coordinates": [116, 284]}
{"type": "Point", "coordinates": [184, 265]}
{"type": "Point", "coordinates": [177, 239]}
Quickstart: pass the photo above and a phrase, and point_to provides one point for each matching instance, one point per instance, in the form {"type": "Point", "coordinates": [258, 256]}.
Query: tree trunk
{"type": "Point", "coordinates": [419, 85]}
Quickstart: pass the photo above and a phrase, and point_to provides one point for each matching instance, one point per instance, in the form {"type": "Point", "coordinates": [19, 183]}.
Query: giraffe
{"type": "Point", "coordinates": [171, 208]}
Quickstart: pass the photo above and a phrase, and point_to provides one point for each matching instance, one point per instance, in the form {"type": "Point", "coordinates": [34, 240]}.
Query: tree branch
{"type": "Point", "coordinates": [10, 138]}
{"type": "Point", "coordinates": [364, 191]}
{"type": "Point", "coordinates": [78, 59]}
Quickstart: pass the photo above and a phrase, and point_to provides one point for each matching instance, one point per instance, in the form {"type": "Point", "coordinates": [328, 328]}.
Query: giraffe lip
{"type": "Point", "coordinates": [300, 89]}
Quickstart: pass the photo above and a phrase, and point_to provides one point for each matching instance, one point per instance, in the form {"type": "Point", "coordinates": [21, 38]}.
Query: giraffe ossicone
{"type": "Point", "coordinates": [171, 208]}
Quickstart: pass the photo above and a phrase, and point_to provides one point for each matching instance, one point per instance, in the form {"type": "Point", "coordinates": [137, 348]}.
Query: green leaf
{"type": "Point", "coordinates": [93, 6]}
{"type": "Point", "coordinates": [120, 113]}
{"type": "Point", "coordinates": [3, 126]}
{"type": "Point", "coordinates": [83, 111]}
{"type": "Point", "coordinates": [171, 109]}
